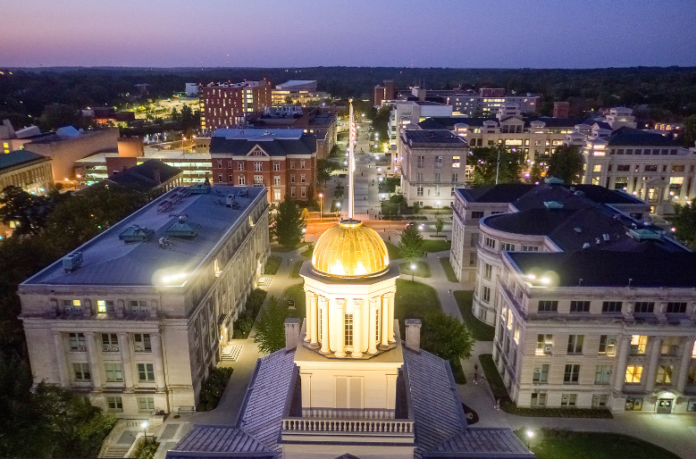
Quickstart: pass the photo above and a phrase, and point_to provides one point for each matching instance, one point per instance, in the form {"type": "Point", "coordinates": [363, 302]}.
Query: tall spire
{"type": "Point", "coordinates": [351, 164]}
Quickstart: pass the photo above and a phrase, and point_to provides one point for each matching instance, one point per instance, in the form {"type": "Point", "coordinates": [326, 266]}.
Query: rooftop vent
{"type": "Point", "coordinates": [606, 237]}
{"type": "Point", "coordinates": [553, 205]}
{"type": "Point", "coordinates": [644, 234]}
{"type": "Point", "coordinates": [182, 228]}
{"type": "Point", "coordinates": [586, 245]}
{"type": "Point", "coordinates": [135, 233]}
{"type": "Point", "coordinates": [72, 262]}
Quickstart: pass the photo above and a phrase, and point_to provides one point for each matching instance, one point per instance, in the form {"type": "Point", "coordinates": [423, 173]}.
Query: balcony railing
{"type": "Point", "coordinates": [379, 426]}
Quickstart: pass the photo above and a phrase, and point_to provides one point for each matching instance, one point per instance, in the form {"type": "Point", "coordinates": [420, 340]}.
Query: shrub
{"type": "Point", "coordinates": [213, 388]}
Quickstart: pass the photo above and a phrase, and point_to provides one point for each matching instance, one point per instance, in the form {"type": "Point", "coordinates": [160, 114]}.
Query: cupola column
{"type": "Point", "coordinates": [372, 336]}
{"type": "Point", "coordinates": [391, 317]}
{"type": "Point", "coordinates": [357, 328]}
{"type": "Point", "coordinates": [385, 321]}
{"type": "Point", "coordinates": [324, 307]}
{"type": "Point", "coordinates": [314, 323]}
{"type": "Point", "coordinates": [340, 331]}
{"type": "Point", "coordinates": [309, 318]}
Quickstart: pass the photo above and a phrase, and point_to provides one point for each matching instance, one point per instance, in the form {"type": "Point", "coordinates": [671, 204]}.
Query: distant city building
{"type": "Point", "coordinates": [385, 91]}
{"type": "Point", "coordinates": [433, 166]}
{"type": "Point", "coordinates": [282, 160]}
{"type": "Point", "coordinates": [27, 170]}
{"type": "Point", "coordinates": [483, 103]}
{"type": "Point", "coordinates": [561, 110]}
{"type": "Point", "coordinates": [151, 176]}
{"type": "Point", "coordinates": [405, 113]}
{"type": "Point", "coordinates": [228, 104]}
{"type": "Point", "coordinates": [299, 92]}
{"type": "Point", "coordinates": [192, 89]}
{"type": "Point", "coordinates": [136, 316]}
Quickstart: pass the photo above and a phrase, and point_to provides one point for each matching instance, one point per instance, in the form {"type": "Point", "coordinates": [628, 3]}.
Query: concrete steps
{"type": "Point", "coordinates": [116, 451]}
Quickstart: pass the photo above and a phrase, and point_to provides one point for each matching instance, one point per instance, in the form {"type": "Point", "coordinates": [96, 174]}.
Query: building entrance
{"type": "Point", "coordinates": [664, 406]}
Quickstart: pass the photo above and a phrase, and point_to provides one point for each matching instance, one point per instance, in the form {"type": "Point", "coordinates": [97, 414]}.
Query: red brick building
{"type": "Point", "coordinates": [383, 92]}
{"type": "Point", "coordinates": [228, 104]}
{"type": "Point", "coordinates": [282, 160]}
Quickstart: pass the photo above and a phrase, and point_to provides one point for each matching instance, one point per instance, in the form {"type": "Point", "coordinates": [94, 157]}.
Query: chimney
{"type": "Point", "coordinates": [292, 333]}
{"type": "Point", "coordinates": [413, 327]}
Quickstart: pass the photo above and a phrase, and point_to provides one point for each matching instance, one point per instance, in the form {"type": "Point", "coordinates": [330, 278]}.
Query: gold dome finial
{"type": "Point", "coordinates": [350, 249]}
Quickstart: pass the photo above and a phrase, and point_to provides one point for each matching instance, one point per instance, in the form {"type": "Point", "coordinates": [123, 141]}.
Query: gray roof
{"type": "Point", "coordinates": [145, 175]}
{"type": "Point", "coordinates": [482, 443]}
{"type": "Point", "coordinates": [434, 136]}
{"type": "Point", "coordinates": [635, 137]}
{"type": "Point", "coordinates": [304, 145]}
{"type": "Point", "coordinates": [19, 157]}
{"type": "Point", "coordinates": [218, 439]}
{"type": "Point", "coordinates": [526, 195]}
{"type": "Point", "coordinates": [109, 261]}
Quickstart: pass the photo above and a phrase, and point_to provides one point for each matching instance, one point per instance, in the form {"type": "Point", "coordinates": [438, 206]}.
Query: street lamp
{"type": "Point", "coordinates": [338, 209]}
{"type": "Point", "coordinates": [145, 424]}
{"type": "Point", "coordinates": [304, 231]}
{"type": "Point", "coordinates": [530, 435]}
{"type": "Point", "coordinates": [413, 271]}
{"type": "Point", "coordinates": [321, 206]}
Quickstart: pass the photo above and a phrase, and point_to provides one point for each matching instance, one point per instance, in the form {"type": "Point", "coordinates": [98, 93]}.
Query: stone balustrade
{"type": "Point", "coordinates": [379, 426]}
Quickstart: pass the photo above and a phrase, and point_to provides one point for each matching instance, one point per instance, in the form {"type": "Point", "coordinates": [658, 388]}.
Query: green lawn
{"type": "Point", "coordinates": [296, 292]}
{"type": "Point", "coordinates": [433, 245]}
{"type": "Point", "coordinates": [414, 300]}
{"type": "Point", "coordinates": [394, 252]}
{"type": "Point", "coordinates": [493, 377]}
{"type": "Point", "coordinates": [449, 272]}
{"type": "Point", "coordinates": [558, 444]}
{"type": "Point", "coordinates": [481, 331]}
{"type": "Point", "coordinates": [272, 264]}
{"type": "Point", "coordinates": [422, 269]}
{"type": "Point", "coordinates": [308, 253]}
{"type": "Point", "coordinates": [295, 274]}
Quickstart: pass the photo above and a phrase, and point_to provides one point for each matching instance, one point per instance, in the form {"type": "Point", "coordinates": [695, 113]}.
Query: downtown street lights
{"type": "Point", "coordinates": [321, 206]}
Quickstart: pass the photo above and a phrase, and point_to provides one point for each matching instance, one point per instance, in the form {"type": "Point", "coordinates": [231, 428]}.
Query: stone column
{"type": "Point", "coordinates": [324, 306]}
{"type": "Point", "coordinates": [685, 363]}
{"type": "Point", "coordinates": [157, 360]}
{"type": "Point", "coordinates": [60, 358]}
{"type": "Point", "coordinates": [308, 315]}
{"type": "Point", "coordinates": [391, 317]}
{"type": "Point", "coordinates": [372, 329]}
{"type": "Point", "coordinates": [620, 375]}
{"type": "Point", "coordinates": [357, 328]}
{"type": "Point", "coordinates": [314, 324]}
{"type": "Point", "coordinates": [655, 350]}
{"type": "Point", "coordinates": [340, 331]}
{"type": "Point", "coordinates": [385, 321]}
{"type": "Point", "coordinates": [95, 363]}
{"type": "Point", "coordinates": [126, 359]}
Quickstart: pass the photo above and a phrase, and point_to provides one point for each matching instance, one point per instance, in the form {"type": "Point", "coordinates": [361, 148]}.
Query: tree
{"type": "Point", "coordinates": [446, 337]}
{"type": "Point", "coordinates": [28, 211]}
{"type": "Point", "coordinates": [380, 121]}
{"type": "Point", "coordinates": [684, 223]}
{"type": "Point", "coordinates": [289, 223]}
{"type": "Point", "coordinates": [535, 173]}
{"type": "Point", "coordinates": [496, 161]}
{"type": "Point", "coordinates": [566, 164]}
{"type": "Point", "coordinates": [175, 115]}
{"type": "Point", "coordinates": [324, 169]}
{"type": "Point", "coordinates": [59, 115]}
{"type": "Point", "coordinates": [411, 244]}
{"type": "Point", "coordinates": [439, 224]}
{"type": "Point", "coordinates": [689, 136]}
{"type": "Point", "coordinates": [270, 327]}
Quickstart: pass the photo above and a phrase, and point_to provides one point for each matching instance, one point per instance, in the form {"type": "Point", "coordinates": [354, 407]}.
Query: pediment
{"type": "Point", "coordinates": [257, 151]}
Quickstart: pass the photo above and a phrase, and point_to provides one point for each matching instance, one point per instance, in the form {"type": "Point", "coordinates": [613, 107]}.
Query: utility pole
{"type": "Point", "coordinates": [497, 167]}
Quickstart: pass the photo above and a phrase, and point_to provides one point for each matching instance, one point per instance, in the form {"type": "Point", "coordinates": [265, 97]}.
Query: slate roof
{"type": "Point", "coordinates": [434, 136]}
{"type": "Point", "coordinates": [305, 145]}
{"type": "Point", "coordinates": [599, 268]}
{"type": "Point", "coordinates": [448, 122]}
{"type": "Point", "coordinates": [143, 175]}
{"type": "Point", "coordinates": [496, 442]}
{"type": "Point", "coordinates": [527, 195]}
{"type": "Point", "coordinates": [218, 439]}
{"type": "Point", "coordinates": [19, 157]}
{"type": "Point", "coordinates": [508, 192]}
{"type": "Point", "coordinates": [109, 261]}
{"type": "Point", "coordinates": [635, 137]}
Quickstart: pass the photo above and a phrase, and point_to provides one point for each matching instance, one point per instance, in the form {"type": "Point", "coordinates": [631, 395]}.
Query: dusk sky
{"type": "Point", "coordinates": [393, 33]}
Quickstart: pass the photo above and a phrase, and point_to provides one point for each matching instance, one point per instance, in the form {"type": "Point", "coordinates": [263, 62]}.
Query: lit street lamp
{"type": "Point", "coordinates": [530, 435]}
{"type": "Point", "coordinates": [145, 424]}
{"type": "Point", "coordinates": [321, 206]}
{"type": "Point", "coordinates": [413, 271]}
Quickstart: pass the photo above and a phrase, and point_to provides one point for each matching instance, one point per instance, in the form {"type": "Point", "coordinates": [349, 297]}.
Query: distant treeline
{"type": "Point", "coordinates": [659, 94]}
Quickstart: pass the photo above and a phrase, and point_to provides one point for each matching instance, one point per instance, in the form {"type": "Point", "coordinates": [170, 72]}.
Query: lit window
{"type": "Point", "coordinates": [634, 373]}
{"type": "Point", "coordinates": [664, 374]}
{"type": "Point", "coordinates": [456, 161]}
{"type": "Point", "coordinates": [105, 306]}
{"type": "Point", "coordinates": [638, 344]}
{"type": "Point", "coordinates": [348, 330]}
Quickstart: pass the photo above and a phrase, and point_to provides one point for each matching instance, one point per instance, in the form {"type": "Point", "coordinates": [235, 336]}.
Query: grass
{"type": "Point", "coordinates": [295, 274]}
{"type": "Point", "coordinates": [296, 292]}
{"type": "Point", "coordinates": [480, 330]}
{"type": "Point", "coordinates": [458, 371]}
{"type": "Point", "coordinates": [563, 444]}
{"type": "Point", "coordinates": [309, 251]}
{"type": "Point", "coordinates": [272, 264]}
{"type": "Point", "coordinates": [422, 269]}
{"type": "Point", "coordinates": [493, 377]}
{"type": "Point", "coordinates": [414, 300]}
{"type": "Point", "coordinates": [436, 246]}
{"type": "Point", "coordinates": [394, 251]}
{"type": "Point", "coordinates": [449, 272]}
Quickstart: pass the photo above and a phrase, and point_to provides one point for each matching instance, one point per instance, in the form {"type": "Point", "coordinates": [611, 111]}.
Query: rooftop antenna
{"type": "Point", "coordinates": [350, 161]}
{"type": "Point", "coordinates": [629, 281]}
{"type": "Point", "coordinates": [580, 282]}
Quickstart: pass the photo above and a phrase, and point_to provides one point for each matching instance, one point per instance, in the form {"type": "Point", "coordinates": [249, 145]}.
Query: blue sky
{"type": "Point", "coordinates": [302, 33]}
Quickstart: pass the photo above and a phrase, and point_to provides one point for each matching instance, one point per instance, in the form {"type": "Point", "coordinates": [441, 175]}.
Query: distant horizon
{"type": "Point", "coordinates": [10, 67]}
{"type": "Point", "coordinates": [472, 34]}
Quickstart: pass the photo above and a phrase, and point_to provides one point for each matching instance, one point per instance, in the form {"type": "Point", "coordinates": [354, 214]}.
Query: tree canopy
{"type": "Point", "coordinates": [289, 223]}
{"type": "Point", "coordinates": [270, 327]}
{"type": "Point", "coordinates": [411, 245]}
{"type": "Point", "coordinates": [566, 164]}
{"type": "Point", "coordinates": [495, 161]}
{"type": "Point", "coordinates": [324, 169]}
{"type": "Point", "coordinates": [684, 223]}
{"type": "Point", "coordinates": [446, 337]}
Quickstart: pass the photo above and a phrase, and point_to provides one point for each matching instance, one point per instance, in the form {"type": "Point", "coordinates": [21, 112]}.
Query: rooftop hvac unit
{"type": "Point", "coordinates": [72, 261]}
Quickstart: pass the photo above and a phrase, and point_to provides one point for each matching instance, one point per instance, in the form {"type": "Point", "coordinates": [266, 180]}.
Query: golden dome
{"type": "Point", "coordinates": [350, 249]}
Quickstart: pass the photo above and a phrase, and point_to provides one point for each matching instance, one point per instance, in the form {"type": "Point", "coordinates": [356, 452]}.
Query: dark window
{"type": "Point", "coordinates": [579, 306]}
{"type": "Point", "coordinates": [572, 374]}
{"type": "Point", "coordinates": [651, 168]}
{"type": "Point", "coordinates": [676, 308]}
{"type": "Point", "coordinates": [476, 214]}
{"type": "Point", "coordinates": [623, 167]}
{"type": "Point", "coordinates": [548, 306]}
{"type": "Point", "coordinates": [644, 307]}
{"type": "Point", "coordinates": [611, 306]}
